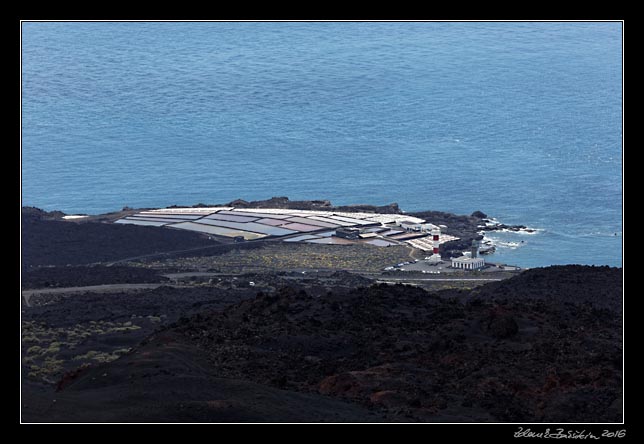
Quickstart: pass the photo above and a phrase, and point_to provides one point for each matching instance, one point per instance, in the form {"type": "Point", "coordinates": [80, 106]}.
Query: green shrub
{"type": "Point", "coordinates": [36, 349]}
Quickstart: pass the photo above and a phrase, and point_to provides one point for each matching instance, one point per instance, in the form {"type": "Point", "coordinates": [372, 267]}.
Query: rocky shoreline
{"type": "Point", "coordinates": [466, 228]}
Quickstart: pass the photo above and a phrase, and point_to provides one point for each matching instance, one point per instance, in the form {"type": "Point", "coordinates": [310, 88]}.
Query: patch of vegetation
{"type": "Point", "coordinates": [36, 349]}
{"type": "Point", "coordinates": [100, 356]}
{"type": "Point", "coordinates": [281, 256]}
{"type": "Point", "coordinates": [44, 345]}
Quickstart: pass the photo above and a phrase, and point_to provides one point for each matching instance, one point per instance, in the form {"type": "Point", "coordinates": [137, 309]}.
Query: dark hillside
{"type": "Point", "coordinates": [543, 355]}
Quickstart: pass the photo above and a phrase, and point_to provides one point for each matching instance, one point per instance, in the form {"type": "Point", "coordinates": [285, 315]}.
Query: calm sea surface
{"type": "Point", "coordinates": [520, 120]}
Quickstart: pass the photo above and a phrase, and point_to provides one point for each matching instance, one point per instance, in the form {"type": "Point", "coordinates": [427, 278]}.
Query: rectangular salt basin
{"type": "Point", "coordinates": [272, 222]}
{"type": "Point", "coordinates": [140, 222]}
{"type": "Point", "coordinates": [352, 220]}
{"type": "Point", "coordinates": [310, 213]}
{"type": "Point", "coordinates": [353, 215]}
{"type": "Point", "coordinates": [379, 243]}
{"type": "Point", "coordinates": [256, 214]}
{"type": "Point", "coordinates": [405, 236]}
{"type": "Point", "coordinates": [156, 219]}
{"type": "Point", "coordinates": [168, 216]}
{"type": "Point", "coordinates": [425, 241]}
{"type": "Point", "coordinates": [307, 213]}
{"type": "Point", "coordinates": [382, 218]}
{"type": "Point", "coordinates": [301, 238]}
{"type": "Point", "coordinates": [186, 210]}
{"type": "Point", "coordinates": [374, 229]}
{"type": "Point", "coordinates": [310, 221]}
{"type": "Point", "coordinates": [248, 226]}
{"type": "Point", "coordinates": [332, 221]}
{"type": "Point", "coordinates": [220, 231]}
{"type": "Point", "coordinates": [231, 218]}
{"type": "Point", "coordinates": [391, 232]}
{"type": "Point", "coordinates": [267, 210]}
{"type": "Point", "coordinates": [331, 241]}
{"type": "Point", "coordinates": [301, 227]}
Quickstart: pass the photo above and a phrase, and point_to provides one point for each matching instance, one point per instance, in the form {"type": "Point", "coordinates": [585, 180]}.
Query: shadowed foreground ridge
{"type": "Point", "coordinates": [544, 346]}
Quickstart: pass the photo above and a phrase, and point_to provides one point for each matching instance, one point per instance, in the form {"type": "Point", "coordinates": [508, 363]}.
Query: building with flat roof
{"type": "Point", "coordinates": [415, 226]}
{"type": "Point", "coordinates": [468, 262]}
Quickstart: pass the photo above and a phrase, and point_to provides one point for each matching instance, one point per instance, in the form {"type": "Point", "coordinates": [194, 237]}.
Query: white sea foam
{"type": "Point", "coordinates": [527, 230]}
{"type": "Point", "coordinates": [497, 243]}
{"type": "Point", "coordinates": [601, 234]}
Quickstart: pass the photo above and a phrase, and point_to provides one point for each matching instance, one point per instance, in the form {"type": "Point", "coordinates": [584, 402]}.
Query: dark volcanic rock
{"type": "Point", "coordinates": [392, 208]}
{"type": "Point", "coordinates": [33, 213]}
{"type": "Point", "coordinates": [58, 242]}
{"type": "Point", "coordinates": [479, 214]}
{"type": "Point", "coordinates": [504, 352]}
{"type": "Point", "coordinates": [502, 325]}
{"type": "Point", "coordinates": [239, 203]}
{"type": "Point", "coordinates": [166, 380]}
{"type": "Point", "coordinates": [79, 276]}
{"type": "Point", "coordinates": [599, 288]}
{"type": "Point", "coordinates": [399, 347]}
{"type": "Point", "coordinates": [322, 205]}
{"type": "Point", "coordinates": [281, 202]}
{"type": "Point", "coordinates": [585, 402]}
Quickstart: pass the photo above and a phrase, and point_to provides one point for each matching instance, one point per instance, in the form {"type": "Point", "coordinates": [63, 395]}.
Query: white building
{"type": "Point", "coordinates": [411, 226]}
{"type": "Point", "coordinates": [468, 262]}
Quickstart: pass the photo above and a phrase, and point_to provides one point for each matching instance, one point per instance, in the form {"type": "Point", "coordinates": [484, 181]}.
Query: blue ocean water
{"type": "Point", "coordinates": [520, 120]}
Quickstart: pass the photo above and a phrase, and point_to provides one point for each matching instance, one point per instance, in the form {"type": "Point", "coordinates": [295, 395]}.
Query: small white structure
{"type": "Point", "coordinates": [410, 225]}
{"type": "Point", "coordinates": [468, 262]}
{"type": "Point", "coordinates": [434, 259]}
{"type": "Point", "coordinates": [428, 227]}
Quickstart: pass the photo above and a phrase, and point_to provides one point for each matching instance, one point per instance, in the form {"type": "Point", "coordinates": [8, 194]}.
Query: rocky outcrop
{"type": "Point", "coordinates": [599, 287]}
{"type": "Point", "coordinates": [504, 227]}
{"type": "Point", "coordinates": [392, 208]}
{"type": "Point", "coordinates": [33, 213]}
{"type": "Point", "coordinates": [501, 325]}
